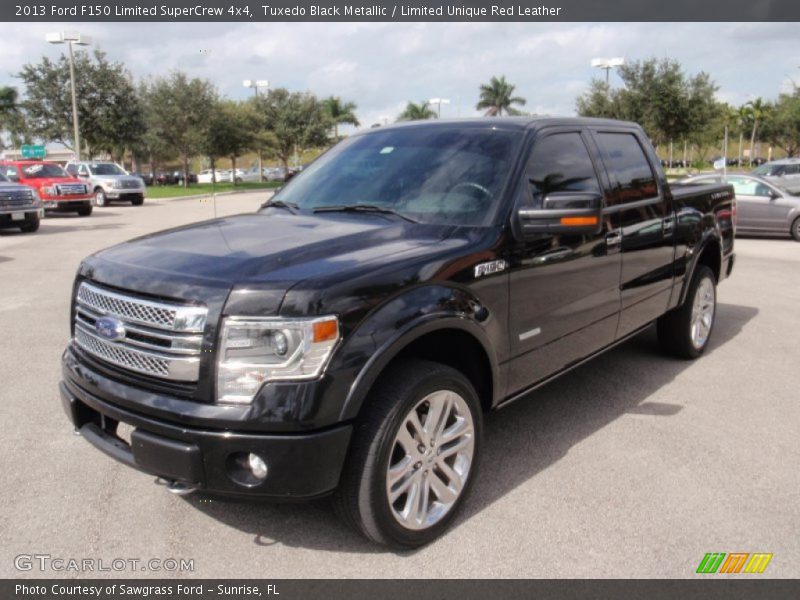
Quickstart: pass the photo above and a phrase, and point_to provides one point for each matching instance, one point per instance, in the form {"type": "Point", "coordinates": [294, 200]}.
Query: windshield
{"type": "Point", "coordinates": [442, 175]}
{"type": "Point", "coordinates": [43, 170]}
{"type": "Point", "coordinates": [106, 169]}
{"type": "Point", "coordinates": [767, 170]}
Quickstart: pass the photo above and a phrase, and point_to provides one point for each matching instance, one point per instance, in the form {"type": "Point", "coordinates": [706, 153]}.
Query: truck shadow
{"type": "Point", "coordinates": [520, 441]}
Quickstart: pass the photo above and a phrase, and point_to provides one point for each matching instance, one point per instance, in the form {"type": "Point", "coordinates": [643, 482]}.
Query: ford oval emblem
{"type": "Point", "coordinates": [110, 328]}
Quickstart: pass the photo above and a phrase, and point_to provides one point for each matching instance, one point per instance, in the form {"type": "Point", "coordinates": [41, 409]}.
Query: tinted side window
{"type": "Point", "coordinates": [72, 170]}
{"type": "Point", "coordinates": [560, 163]}
{"type": "Point", "coordinates": [792, 169]}
{"type": "Point", "coordinates": [624, 156]}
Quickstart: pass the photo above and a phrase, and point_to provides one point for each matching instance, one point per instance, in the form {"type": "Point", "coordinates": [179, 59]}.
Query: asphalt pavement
{"type": "Point", "coordinates": [634, 465]}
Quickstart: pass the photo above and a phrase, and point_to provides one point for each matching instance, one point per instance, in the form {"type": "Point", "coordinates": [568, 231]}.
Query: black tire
{"type": "Point", "coordinates": [85, 211]}
{"type": "Point", "coordinates": [100, 198]}
{"type": "Point", "coordinates": [361, 499]}
{"type": "Point", "coordinates": [675, 327]}
{"type": "Point", "coordinates": [796, 229]}
{"type": "Point", "coordinates": [31, 225]}
{"type": "Point", "coordinates": [137, 201]}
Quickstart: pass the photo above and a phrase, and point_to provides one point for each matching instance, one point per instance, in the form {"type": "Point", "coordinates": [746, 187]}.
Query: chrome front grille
{"type": "Point", "coordinates": [13, 198]}
{"type": "Point", "coordinates": [70, 189]}
{"type": "Point", "coordinates": [160, 339]}
{"type": "Point", "coordinates": [130, 184]}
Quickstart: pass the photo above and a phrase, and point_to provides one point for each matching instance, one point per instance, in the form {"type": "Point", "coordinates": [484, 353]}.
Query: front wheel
{"type": "Point", "coordinates": [684, 332]}
{"type": "Point", "coordinates": [796, 229]}
{"type": "Point", "coordinates": [31, 225]}
{"type": "Point", "coordinates": [100, 198]}
{"type": "Point", "coordinates": [138, 201]}
{"type": "Point", "coordinates": [84, 211]}
{"type": "Point", "coordinates": [413, 456]}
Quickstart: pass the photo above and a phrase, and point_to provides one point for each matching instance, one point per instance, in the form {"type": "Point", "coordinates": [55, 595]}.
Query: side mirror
{"type": "Point", "coordinates": [564, 213]}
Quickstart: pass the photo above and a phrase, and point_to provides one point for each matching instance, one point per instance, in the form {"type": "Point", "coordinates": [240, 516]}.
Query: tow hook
{"type": "Point", "coordinates": [180, 488]}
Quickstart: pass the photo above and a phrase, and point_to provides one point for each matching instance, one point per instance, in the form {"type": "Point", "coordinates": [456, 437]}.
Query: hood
{"type": "Point", "coordinates": [42, 181]}
{"type": "Point", "coordinates": [256, 252]}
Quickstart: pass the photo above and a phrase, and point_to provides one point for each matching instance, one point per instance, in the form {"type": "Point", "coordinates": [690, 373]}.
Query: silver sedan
{"type": "Point", "coordinates": [761, 206]}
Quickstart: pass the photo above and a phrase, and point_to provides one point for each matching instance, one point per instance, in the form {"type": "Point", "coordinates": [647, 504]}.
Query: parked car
{"type": "Point", "coordinates": [58, 190]}
{"type": "Point", "coordinates": [177, 177]}
{"type": "Point", "coordinates": [275, 173]}
{"type": "Point", "coordinates": [20, 206]}
{"type": "Point", "coordinates": [785, 173]}
{"type": "Point", "coordinates": [208, 176]}
{"type": "Point", "coordinates": [109, 182]}
{"type": "Point", "coordinates": [252, 175]}
{"type": "Point", "coordinates": [349, 336]}
{"type": "Point", "coordinates": [146, 177]}
{"type": "Point", "coordinates": [762, 207]}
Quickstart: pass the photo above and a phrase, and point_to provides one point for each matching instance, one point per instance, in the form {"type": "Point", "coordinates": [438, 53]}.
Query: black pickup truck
{"type": "Point", "coordinates": [349, 336]}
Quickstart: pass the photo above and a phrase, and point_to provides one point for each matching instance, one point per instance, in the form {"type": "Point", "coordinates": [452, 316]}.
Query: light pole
{"type": "Point", "coordinates": [70, 38]}
{"type": "Point", "coordinates": [255, 84]}
{"type": "Point", "coordinates": [608, 64]}
{"type": "Point", "coordinates": [439, 102]}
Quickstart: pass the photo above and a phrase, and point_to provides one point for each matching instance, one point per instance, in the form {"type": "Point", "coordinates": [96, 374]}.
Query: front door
{"type": "Point", "coordinates": [759, 206]}
{"type": "Point", "coordinates": [564, 296]}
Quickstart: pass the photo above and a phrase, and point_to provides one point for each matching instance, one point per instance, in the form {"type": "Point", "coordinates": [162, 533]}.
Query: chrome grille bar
{"type": "Point", "coordinates": [159, 339]}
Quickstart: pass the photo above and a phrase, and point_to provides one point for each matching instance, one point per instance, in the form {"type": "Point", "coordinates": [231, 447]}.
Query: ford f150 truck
{"type": "Point", "coordinates": [59, 191]}
{"type": "Point", "coordinates": [109, 181]}
{"type": "Point", "coordinates": [349, 336]}
{"type": "Point", "coordinates": [19, 206]}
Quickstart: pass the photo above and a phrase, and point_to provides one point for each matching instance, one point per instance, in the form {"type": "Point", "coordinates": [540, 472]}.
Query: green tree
{"type": "Point", "coordinates": [179, 112]}
{"type": "Point", "coordinates": [417, 112]}
{"type": "Point", "coordinates": [783, 128]}
{"type": "Point", "coordinates": [340, 113]}
{"type": "Point", "coordinates": [498, 96]}
{"type": "Point", "coordinates": [109, 113]}
{"type": "Point", "coordinates": [294, 121]}
{"type": "Point", "coordinates": [658, 95]}
{"type": "Point", "coordinates": [11, 117]}
{"type": "Point", "coordinates": [232, 130]}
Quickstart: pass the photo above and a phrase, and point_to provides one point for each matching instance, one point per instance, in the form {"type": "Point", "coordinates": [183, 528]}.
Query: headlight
{"type": "Point", "coordinates": [255, 351]}
{"type": "Point", "coordinates": [35, 198]}
{"type": "Point", "coordinates": [49, 190]}
{"type": "Point", "coordinates": [116, 184]}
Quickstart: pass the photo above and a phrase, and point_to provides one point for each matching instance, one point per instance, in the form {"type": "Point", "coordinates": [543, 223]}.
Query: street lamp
{"type": "Point", "coordinates": [255, 84]}
{"type": "Point", "coordinates": [439, 102]}
{"type": "Point", "coordinates": [607, 64]}
{"type": "Point", "coordinates": [71, 38]}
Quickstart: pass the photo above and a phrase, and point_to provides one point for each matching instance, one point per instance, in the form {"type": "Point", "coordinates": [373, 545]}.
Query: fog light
{"type": "Point", "coordinates": [257, 466]}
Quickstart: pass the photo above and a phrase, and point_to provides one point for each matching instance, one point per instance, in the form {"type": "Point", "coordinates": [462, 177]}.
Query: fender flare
{"type": "Point", "coordinates": [389, 350]}
{"type": "Point", "coordinates": [708, 237]}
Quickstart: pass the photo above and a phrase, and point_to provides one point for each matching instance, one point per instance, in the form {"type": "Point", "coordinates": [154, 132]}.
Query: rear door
{"type": "Point", "coordinates": [641, 214]}
{"type": "Point", "coordinates": [564, 294]}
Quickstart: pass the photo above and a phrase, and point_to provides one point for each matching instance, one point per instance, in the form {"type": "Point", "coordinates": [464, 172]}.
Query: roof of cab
{"type": "Point", "coordinates": [526, 122]}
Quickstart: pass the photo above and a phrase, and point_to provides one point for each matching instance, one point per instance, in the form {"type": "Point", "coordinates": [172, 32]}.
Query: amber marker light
{"type": "Point", "coordinates": [573, 221]}
{"type": "Point", "coordinates": [325, 330]}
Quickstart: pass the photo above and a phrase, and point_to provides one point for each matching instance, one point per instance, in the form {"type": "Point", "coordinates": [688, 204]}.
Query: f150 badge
{"type": "Point", "coordinates": [487, 268]}
{"type": "Point", "coordinates": [109, 328]}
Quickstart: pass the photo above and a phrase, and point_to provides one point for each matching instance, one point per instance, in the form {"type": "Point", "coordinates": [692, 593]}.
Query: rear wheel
{"type": "Point", "coordinates": [100, 197]}
{"type": "Point", "coordinates": [413, 456]}
{"type": "Point", "coordinates": [796, 229]}
{"type": "Point", "coordinates": [684, 332]}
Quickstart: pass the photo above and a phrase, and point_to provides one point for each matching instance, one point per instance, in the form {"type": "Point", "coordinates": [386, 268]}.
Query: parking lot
{"type": "Point", "coordinates": [633, 465]}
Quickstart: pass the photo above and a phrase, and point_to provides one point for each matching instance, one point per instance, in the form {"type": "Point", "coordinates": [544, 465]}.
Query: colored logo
{"type": "Point", "coordinates": [735, 562]}
{"type": "Point", "coordinates": [109, 328]}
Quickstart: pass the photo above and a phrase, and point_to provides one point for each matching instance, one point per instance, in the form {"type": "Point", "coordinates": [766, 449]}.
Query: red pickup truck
{"type": "Point", "coordinates": [58, 190]}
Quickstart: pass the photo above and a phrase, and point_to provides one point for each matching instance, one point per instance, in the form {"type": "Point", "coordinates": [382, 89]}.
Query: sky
{"type": "Point", "coordinates": [381, 66]}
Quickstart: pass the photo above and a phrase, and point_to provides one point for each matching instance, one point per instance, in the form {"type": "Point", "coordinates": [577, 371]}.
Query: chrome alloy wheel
{"type": "Point", "coordinates": [430, 461]}
{"type": "Point", "coordinates": [702, 313]}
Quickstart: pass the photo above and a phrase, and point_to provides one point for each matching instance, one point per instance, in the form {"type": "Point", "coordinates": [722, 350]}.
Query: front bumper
{"type": "Point", "coordinates": [299, 466]}
{"type": "Point", "coordinates": [10, 217]}
{"type": "Point", "coordinates": [66, 204]}
{"type": "Point", "coordinates": [123, 193]}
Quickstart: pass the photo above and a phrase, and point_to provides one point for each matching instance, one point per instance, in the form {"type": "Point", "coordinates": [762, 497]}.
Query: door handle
{"type": "Point", "coordinates": [613, 238]}
{"type": "Point", "coordinates": [667, 225]}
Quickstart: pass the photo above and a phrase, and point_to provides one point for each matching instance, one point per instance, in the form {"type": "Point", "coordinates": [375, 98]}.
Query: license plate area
{"type": "Point", "coordinates": [18, 216]}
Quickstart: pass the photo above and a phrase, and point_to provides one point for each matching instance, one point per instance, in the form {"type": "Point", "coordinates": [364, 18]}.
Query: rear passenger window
{"type": "Point", "coordinates": [560, 163]}
{"type": "Point", "coordinates": [624, 157]}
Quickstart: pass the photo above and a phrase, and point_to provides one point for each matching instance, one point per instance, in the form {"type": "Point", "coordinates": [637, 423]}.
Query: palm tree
{"type": "Point", "coordinates": [340, 112]}
{"type": "Point", "coordinates": [758, 111]}
{"type": "Point", "coordinates": [9, 110]}
{"type": "Point", "coordinates": [417, 112]}
{"type": "Point", "coordinates": [498, 97]}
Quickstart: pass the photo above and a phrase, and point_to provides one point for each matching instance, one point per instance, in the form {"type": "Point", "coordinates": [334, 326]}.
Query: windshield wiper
{"type": "Point", "coordinates": [372, 208]}
{"type": "Point", "coordinates": [290, 206]}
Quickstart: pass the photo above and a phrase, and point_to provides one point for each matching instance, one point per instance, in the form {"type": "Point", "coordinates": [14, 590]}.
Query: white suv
{"type": "Point", "coordinates": [109, 181]}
